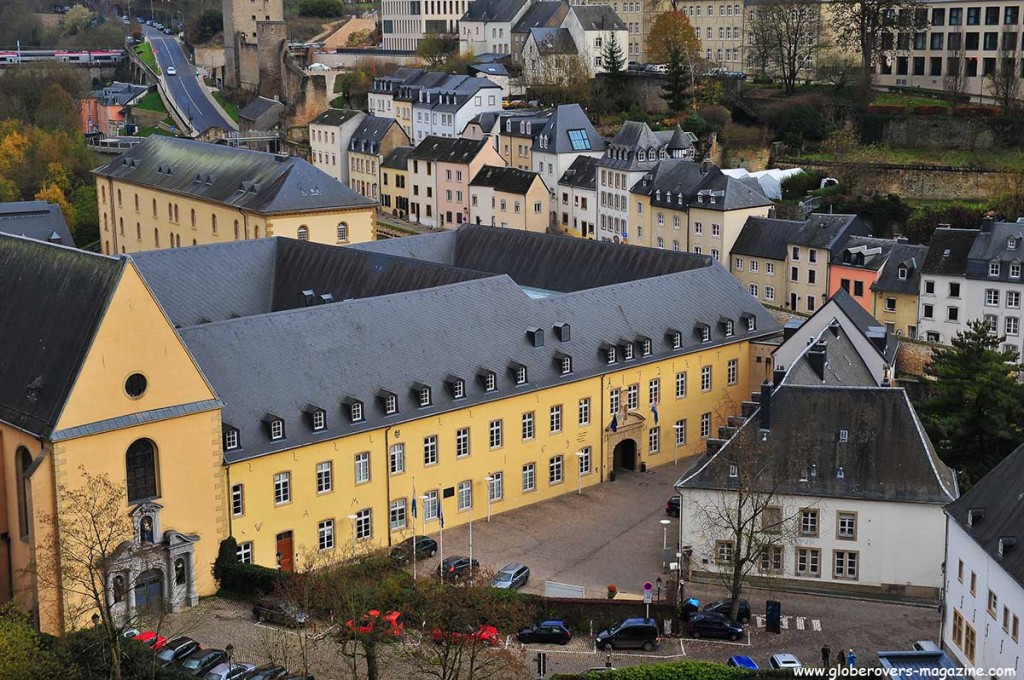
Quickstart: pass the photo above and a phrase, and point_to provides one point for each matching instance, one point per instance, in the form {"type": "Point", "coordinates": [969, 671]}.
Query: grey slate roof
{"type": "Point", "coordinates": [493, 10]}
{"type": "Point", "coordinates": [598, 18]}
{"type": "Point", "coordinates": [509, 180]}
{"type": "Point", "coordinates": [560, 121]}
{"type": "Point", "coordinates": [264, 183]}
{"type": "Point", "coordinates": [632, 137]}
{"type": "Point", "coordinates": [452, 92]}
{"type": "Point", "coordinates": [865, 323]}
{"type": "Point", "coordinates": [336, 117]}
{"type": "Point", "coordinates": [553, 40]}
{"type": "Point", "coordinates": [911, 258]}
{"type": "Point", "coordinates": [490, 69]}
{"type": "Point", "coordinates": [368, 136]}
{"type": "Point", "coordinates": [398, 159]}
{"type": "Point", "coordinates": [37, 220]}
{"type": "Point", "coordinates": [457, 330]}
{"type": "Point", "coordinates": [991, 245]}
{"type": "Point", "coordinates": [832, 359]}
{"type": "Point", "coordinates": [581, 174]}
{"type": "Point", "coordinates": [54, 299]}
{"type": "Point", "coordinates": [864, 252]}
{"type": "Point", "coordinates": [765, 237]}
{"type": "Point", "coordinates": [119, 94]}
{"type": "Point", "coordinates": [259, 106]}
{"type": "Point", "coordinates": [729, 193]}
{"type": "Point", "coordinates": [829, 231]}
{"type": "Point", "coordinates": [888, 456]}
{"type": "Point", "coordinates": [948, 251]}
{"type": "Point", "coordinates": [544, 14]}
{"type": "Point", "coordinates": [447, 149]}
{"type": "Point", "coordinates": [397, 78]}
{"type": "Point", "coordinates": [999, 495]}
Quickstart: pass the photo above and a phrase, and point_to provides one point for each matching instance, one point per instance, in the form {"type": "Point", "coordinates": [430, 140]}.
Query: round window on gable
{"type": "Point", "coordinates": [135, 385]}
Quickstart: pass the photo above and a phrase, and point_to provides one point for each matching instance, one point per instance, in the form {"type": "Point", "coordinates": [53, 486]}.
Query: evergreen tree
{"type": "Point", "coordinates": [612, 59]}
{"type": "Point", "coordinates": [677, 80]}
{"type": "Point", "coordinates": [975, 406]}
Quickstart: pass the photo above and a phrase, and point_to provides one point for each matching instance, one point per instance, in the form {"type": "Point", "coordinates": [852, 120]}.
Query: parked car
{"type": "Point", "coordinates": [267, 671]}
{"type": "Point", "coordinates": [298, 676]}
{"type": "Point", "coordinates": [390, 623]}
{"type": "Point", "coordinates": [629, 634]}
{"type": "Point", "coordinates": [634, 66]}
{"type": "Point", "coordinates": [202, 660]}
{"type": "Point", "coordinates": [742, 662]}
{"type": "Point", "coordinates": [725, 607]}
{"type": "Point", "coordinates": [784, 661]}
{"type": "Point", "coordinates": [425, 547]}
{"type": "Point", "coordinates": [672, 506]}
{"type": "Point", "coordinates": [467, 633]}
{"type": "Point", "coordinates": [152, 640]}
{"type": "Point", "coordinates": [317, 66]}
{"type": "Point", "coordinates": [278, 611]}
{"type": "Point", "coordinates": [176, 650]}
{"type": "Point", "coordinates": [456, 566]}
{"type": "Point", "coordinates": [228, 671]}
{"type": "Point", "coordinates": [171, 71]}
{"type": "Point", "coordinates": [511, 576]}
{"type": "Point", "coordinates": [546, 631]}
{"type": "Point", "coordinates": [714, 625]}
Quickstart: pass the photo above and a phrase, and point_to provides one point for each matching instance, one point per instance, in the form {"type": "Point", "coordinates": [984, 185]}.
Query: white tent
{"type": "Point", "coordinates": [770, 180]}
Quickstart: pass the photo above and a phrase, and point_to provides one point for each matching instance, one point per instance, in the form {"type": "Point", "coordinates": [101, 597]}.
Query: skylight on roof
{"type": "Point", "coordinates": [579, 140]}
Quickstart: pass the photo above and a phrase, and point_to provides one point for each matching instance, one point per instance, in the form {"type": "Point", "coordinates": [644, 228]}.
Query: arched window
{"type": "Point", "coordinates": [177, 239]}
{"type": "Point", "coordinates": [103, 193]}
{"type": "Point", "coordinates": [138, 231]}
{"type": "Point", "coordinates": [303, 233]}
{"type": "Point", "coordinates": [175, 212]}
{"type": "Point", "coordinates": [120, 225]}
{"type": "Point", "coordinates": [170, 212]}
{"type": "Point", "coordinates": [156, 237]}
{"type": "Point", "coordinates": [193, 217]}
{"type": "Point", "coordinates": [256, 231]}
{"type": "Point", "coordinates": [140, 470]}
{"type": "Point", "coordinates": [154, 207]}
{"type": "Point", "coordinates": [342, 231]}
{"type": "Point", "coordinates": [236, 230]}
{"type": "Point", "coordinates": [214, 223]}
{"type": "Point", "coordinates": [118, 588]}
{"type": "Point", "coordinates": [23, 461]}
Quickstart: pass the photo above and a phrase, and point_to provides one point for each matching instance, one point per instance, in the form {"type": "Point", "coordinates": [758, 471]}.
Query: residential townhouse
{"type": "Point", "coordinates": [514, 133]}
{"type": "Point", "coordinates": [897, 290]}
{"type": "Point", "coordinates": [446, 109]}
{"type": "Point", "coordinates": [542, 14]}
{"type": "Point", "coordinates": [551, 54]}
{"type": "Point", "coordinates": [509, 198]}
{"type": "Point", "coordinates": [394, 182]}
{"type": "Point", "coordinates": [566, 135]}
{"type": "Point", "coordinates": [440, 169]}
{"type": "Point", "coordinates": [393, 96]}
{"type": "Point", "coordinates": [993, 279]}
{"type": "Point", "coordinates": [329, 136]}
{"type": "Point", "coordinates": [943, 310]}
{"type": "Point", "coordinates": [374, 139]}
{"type": "Point", "coordinates": [486, 27]}
{"type": "Point", "coordinates": [168, 192]}
{"type": "Point", "coordinates": [106, 111]}
{"type": "Point", "coordinates": [592, 28]}
{"type": "Point", "coordinates": [577, 204]}
{"type": "Point", "coordinates": [851, 480]}
{"type": "Point", "coordinates": [695, 207]}
{"type": "Point", "coordinates": [404, 23]}
{"type": "Point", "coordinates": [634, 151]}
{"type": "Point", "coordinates": [787, 261]}
{"type": "Point", "coordinates": [857, 267]}
{"type": "Point", "coordinates": [983, 599]}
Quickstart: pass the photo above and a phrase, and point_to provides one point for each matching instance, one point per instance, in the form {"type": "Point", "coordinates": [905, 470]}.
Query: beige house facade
{"type": "Point", "coordinates": [509, 198]}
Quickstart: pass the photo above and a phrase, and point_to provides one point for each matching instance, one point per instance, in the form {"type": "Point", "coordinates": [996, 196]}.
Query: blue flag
{"type": "Point", "coordinates": [615, 423]}
{"type": "Point", "coordinates": [654, 409]}
{"type": "Point", "coordinates": [414, 507]}
{"type": "Point", "coordinates": [440, 516]}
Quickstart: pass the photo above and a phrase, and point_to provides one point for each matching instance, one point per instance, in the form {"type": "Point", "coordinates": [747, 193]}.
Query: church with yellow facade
{"type": "Point", "coordinates": [303, 397]}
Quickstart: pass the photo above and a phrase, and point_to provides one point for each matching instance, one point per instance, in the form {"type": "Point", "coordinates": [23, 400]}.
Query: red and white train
{"type": "Point", "coordinates": [84, 57]}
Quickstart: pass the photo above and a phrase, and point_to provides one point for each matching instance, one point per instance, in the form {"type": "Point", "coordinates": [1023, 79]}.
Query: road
{"type": "Point", "coordinates": [185, 86]}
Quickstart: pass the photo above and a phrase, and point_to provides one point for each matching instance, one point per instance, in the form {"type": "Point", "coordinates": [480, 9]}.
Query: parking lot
{"type": "Point", "coordinates": [611, 534]}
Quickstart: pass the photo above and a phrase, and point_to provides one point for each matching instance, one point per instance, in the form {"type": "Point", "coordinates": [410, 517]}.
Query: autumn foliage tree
{"type": "Point", "coordinates": [672, 32]}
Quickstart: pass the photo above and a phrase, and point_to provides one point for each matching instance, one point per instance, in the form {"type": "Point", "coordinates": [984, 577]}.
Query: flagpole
{"type": "Point", "coordinates": [471, 534]}
{"type": "Point", "coordinates": [414, 529]}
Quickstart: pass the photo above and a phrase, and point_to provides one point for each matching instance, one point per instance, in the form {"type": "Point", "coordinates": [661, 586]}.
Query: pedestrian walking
{"type": "Point", "coordinates": [826, 652]}
{"type": "Point", "coordinates": [852, 659]}
{"type": "Point", "coordinates": [841, 657]}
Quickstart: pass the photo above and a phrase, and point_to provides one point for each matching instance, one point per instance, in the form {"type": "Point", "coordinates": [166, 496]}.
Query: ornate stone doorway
{"type": "Point", "coordinates": [624, 455]}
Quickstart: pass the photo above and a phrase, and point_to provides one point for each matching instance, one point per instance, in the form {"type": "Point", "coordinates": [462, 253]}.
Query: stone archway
{"type": "Point", "coordinates": [624, 455]}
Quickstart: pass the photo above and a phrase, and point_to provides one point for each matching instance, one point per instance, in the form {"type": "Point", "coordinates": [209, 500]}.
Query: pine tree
{"type": "Point", "coordinates": [612, 59]}
{"type": "Point", "coordinates": [677, 80]}
{"type": "Point", "coordinates": [975, 406]}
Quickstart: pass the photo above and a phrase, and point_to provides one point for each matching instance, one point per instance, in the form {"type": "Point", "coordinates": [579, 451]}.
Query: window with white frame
{"type": "Point", "coordinates": [430, 450]}
{"type": "Point", "coordinates": [993, 269]}
{"type": "Point", "coordinates": [846, 525]}
{"type": "Point", "coordinates": [424, 394]}
{"type": "Point", "coordinates": [1015, 270]}
{"type": "Point", "coordinates": [705, 334]}
{"type": "Point", "coordinates": [520, 375]}
{"type": "Point", "coordinates": [462, 442]}
{"type": "Point", "coordinates": [364, 524]}
{"type": "Point", "coordinates": [355, 411]}
{"type": "Point", "coordinates": [319, 420]}
{"type": "Point", "coordinates": [646, 347]}
{"type": "Point", "coordinates": [654, 439]}
{"type": "Point", "coordinates": [390, 404]}
{"type": "Point", "coordinates": [1013, 299]}
{"type": "Point", "coordinates": [610, 355]}
{"type": "Point", "coordinates": [584, 412]}
{"type": "Point", "coordinates": [465, 495]}
{"type": "Point", "coordinates": [490, 382]}
{"type": "Point", "coordinates": [430, 506]}
{"type": "Point", "coordinates": [324, 476]}
{"type": "Point", "coordinates": [586, 461]}
{"type": "Point", "coordinates": [496, 486]}
{"type": "Point", "coordinates": [528, 426]}
{"type": "Point", "coordinates": [808, 562]}
{"type": "Point", "coordinates": [325, 534]}
{"type": "Point", "coordinates": [705, 378]}
{"type": "Point", "coordinates": [556, 469]}
{"type": "Point", "coordinates": [529, 477]}
{"type": "Point", "coordinates": [231, 439]}
{"type": "Point", "coordinates": [613, 401]}
{"type": "Point", "coordinates": [680, 384]}
{"type": "Point", "coordinates": [751, 323]}
{"type": "Point", "coordinates": [277, 429]}
{"type": "Point", "coordinates": [633, 397]}
{"type": "Point", "coordinates": [555, 420]}
{"type": "Point", "coordinates": [723, 552]}
{"type": "Point", "coordinates": [705, 425]}
{"type": "Point", "coordinates": [495, 434]}
{"type": "Point", "coordinates": [752, 289]}
{"type": "Point", "coordinates": [654, 391]}
{"type": "Point", "coordinates": [566, 364]}
{"type": "Point", "coordinates": [991, 297]}
{"type": "Point", "coordinates": [737, 264]}
{"type": "Point", "coordinates": [244, 552]}
{"type": "Point", "coordinates": [733, 371]}
{"type": "Point", "coordinates": [845, 564]}
{"type": "Point", "coordinates": [1012, 325]}
{"type": "Point", "coordinates": [769, 293]}
{"type": "Point", "coordinates": [809, 522]}
{"type": "Point", "coordinates": [396, 514]}
{"type": "Point", "coordinates": [680, 429]}
{"type": "Point", "coordinates": [396, 459]}
{"type": "Point", "coordinates": [459, 389]}
{"type": "Point", "coordinates": [753, 266]}
{"type": "Point", "coordinates": [677, 340]}
{"type": "Point", "coordinates": [992, 321]}
{"type": "Point", "coordinates": [627, 351]}
{"type": "Point", "coordinates": [769, 268]}
{"type": "Point", "coordinates": [238, 500]}
{"type": "Point", "coordinates": [282, 488]}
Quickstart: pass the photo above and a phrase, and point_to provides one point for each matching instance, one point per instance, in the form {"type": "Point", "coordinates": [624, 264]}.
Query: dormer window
{"type": "Point", "coordinates": [566, 364]}
{"type": "Point", "coordinates": [424, 396]}
{"type": "Point", "coordinates": [901, 273]}
{"type": "Point", "coordinates": [231, 439]}
{"type": "Point", "coordinates": [520, 374]}
{"type": "Point", "coordinates": [734, 470]}
{"type": "Point", "coordinates": [675, 339]}
{"type": "Point", "coordinates": [319, 420]}
{"type": "Point", "coordinates": [389, 402]}
{"type": "Point", "coordinates": [729, 328]}
{"type": "Point", "coordinates": [276, 429]}
{"type": "Point", "coordinates": [705, 333]}
{"type": "Point", "coordinates": [751, 323]}
{"type": "Point", "coordinates": [840, 473]}
{"type": "Point", "coordinates": [355, 411]}
{"type": "Point", "coordinates": [645, 347]}
{"type": "Point", "coordinates": [641, 155]}
{"type": "Point", "coordinates": [1011, 243]}
{"type": "Point", "coordinates": [993, 269]}
{"type": "Point", "coordinates": [609, 355]}
{"type": "Point", "coordinates": [459, 389]}
{"type": "Point", "coordinates": [627, 351]}
{"type": "Point", "coordinates": [488, 379]}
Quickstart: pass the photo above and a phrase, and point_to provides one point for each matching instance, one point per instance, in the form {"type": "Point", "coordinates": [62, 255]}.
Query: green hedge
{"type": "Point", "coordinates": [243, 579]}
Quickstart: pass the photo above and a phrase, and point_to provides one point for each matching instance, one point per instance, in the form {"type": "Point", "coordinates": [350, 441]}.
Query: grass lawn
{"type": "Point", "coordinates": [992, 158]}
{"type": "Point", "coordinates": [228, 107]}
{"type": "Point", "coordinates": [145, 52]}
{"type": "Point", "coordinates": [152, 102]}
{"type": "Point", "coordinates": [897, 99]}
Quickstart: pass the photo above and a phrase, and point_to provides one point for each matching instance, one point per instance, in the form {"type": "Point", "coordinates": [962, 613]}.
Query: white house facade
{"type": "Point", "coordinates": [942, 305]}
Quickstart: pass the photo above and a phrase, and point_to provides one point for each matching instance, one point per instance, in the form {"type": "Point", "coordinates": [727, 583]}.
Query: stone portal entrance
{"type": "Point", "coordinates": [622, 449]}
{"type": "Point", "coordinates": [624, 456]}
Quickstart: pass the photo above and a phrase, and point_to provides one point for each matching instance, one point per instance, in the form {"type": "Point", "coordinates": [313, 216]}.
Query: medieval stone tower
{"type": "Point", "coordinates": [245, 22]}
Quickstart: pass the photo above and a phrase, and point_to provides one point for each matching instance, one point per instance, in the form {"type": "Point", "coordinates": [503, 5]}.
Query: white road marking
{"type": "Point", "coordinates": [785, 623]}
{"type": "Point", "coordinates": [799, 623]}
{"type": "Point", "coordinates": [760, 620]}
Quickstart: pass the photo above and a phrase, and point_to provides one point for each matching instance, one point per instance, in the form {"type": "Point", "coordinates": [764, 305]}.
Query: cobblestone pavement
{"type": "Point", "coordinates": [611, 533]}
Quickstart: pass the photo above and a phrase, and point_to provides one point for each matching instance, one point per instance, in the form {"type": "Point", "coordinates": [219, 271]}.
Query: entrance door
{"type": "Point", "coordinates": [624, 455]}
{"type": "Point", "coordinates": [149, 592]}
{"type": "Point", "coordinates": [792, 301]}
{"type": "Point", "coordinates": [285, 554]}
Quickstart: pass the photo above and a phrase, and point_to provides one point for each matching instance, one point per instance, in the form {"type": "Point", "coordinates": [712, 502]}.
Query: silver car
{"type": "Point", "coordinates": [511, 576]}
{"type": "Point", "coordinates": [225, 671]}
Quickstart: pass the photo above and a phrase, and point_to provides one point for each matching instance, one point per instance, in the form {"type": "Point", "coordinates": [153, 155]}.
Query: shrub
{"type": "Point", "coordinates": [242, 579]}
{"type": "Point", "coordinates": [886, 109]}
{"type": "Point", "coordinates": [320, 8]}
{"type": "Point", "coordinates": [799, 119]}
{"type": "Point", "coordinates": [677, 670]}
{"type": "Point", "coordinates": [797, 186]}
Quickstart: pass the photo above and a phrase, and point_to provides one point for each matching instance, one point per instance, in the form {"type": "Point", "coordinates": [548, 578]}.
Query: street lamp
{"type": "Point", "coordinates": [579, 475]}
{"type": "Point", "coordinates": [95, 620]}
{"type": "Point", "coordinates": [489, 479]}
{"type": "Point", "coordinates": [440, 542]}
{"type": "Point", "coordinates": [657, 583]}
{"type": "Point", "coordinates": [678, 428]}
{"type": "Point", "coordinates": [664, 543]}
{"type": "Point", "coordinates": [353, 518]}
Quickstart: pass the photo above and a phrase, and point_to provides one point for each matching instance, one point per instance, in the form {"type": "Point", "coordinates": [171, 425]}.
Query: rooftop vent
{"type": "Point", "coordinates": [563, 332]}
{"type": "Point", "coordinates": [307, 297]}
{"type": "Point", "coordinates": [326, 299]}
{"type": "Point", "coordinates": [975, 515]}
{"type": "Point", "coordinates": [1006, 543]}
{"type": "Point", "coordinates": [535, 336]}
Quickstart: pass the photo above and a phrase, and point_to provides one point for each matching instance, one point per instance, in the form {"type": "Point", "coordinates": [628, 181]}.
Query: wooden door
{"type": "Point", "coordinates": [285, 553]}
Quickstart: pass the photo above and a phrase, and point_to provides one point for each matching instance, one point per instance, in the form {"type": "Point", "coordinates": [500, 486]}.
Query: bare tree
{"type": "Point", "coordinates": [785, 35]}
{"type": "Point", "coordinates": [955, 80]}
{"type": "Point", "coordinates": [1004, 83]}
{"type": "Point", "coordinates": [867, 26]}
{"type": "Point", "coordinates": [761, 39]}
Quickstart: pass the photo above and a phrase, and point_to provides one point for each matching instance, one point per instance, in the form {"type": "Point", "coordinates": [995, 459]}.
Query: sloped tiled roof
{"type": "Point", "coordinates": [948, 251]}
{"type": "Point", "coordinates": [508, 180]}
{"type": "Point", "coordinates": [448, 149]}
{"type": "Point", "coordinates": [598, 18]}
{"type": "Point", "coordinates": [765, 237]}
{"type": "Point", "coordinates": [368, 136]}
{"type": "Point", "coordinates": [398, 159]}
{"type": "Point", "coordinates": [993, 245]}
{"type": "Point", "coordinates": [336, 117]}
{"type": "Point", "coordinates": [553, 40]}
{"type": "Point", "coordinates": [562, 120]}
{"type": "Point", "coordinates": [544, 14]}
{"type": "Point", "coordinates": [259, 106]}
{"type": "Point", "coordinates": [265, 183]}
{"type": "Point", "coordinates": [581, 174]}
{"type": "Point", "coordinates": [874, 252]}
{"type": "Point", "coordinates": [911, 257]}
{"type": "Point", "coordinates": [493, 10]}
{"type": "Point", "coordinates": [37, 220]}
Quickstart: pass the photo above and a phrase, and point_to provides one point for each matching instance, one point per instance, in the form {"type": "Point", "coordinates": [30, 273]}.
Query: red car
{"type": "Point", "coordinates": [390, 623]}
{"type": "Point", "coordinates": [466, 633]}
{"type": "Point", "coordinates": [152, 640]}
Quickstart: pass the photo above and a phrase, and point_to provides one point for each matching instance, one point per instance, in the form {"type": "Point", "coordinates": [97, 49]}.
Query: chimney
{"type": "Point", "coordinates": [778, 375]}
{"type": "Point", "coordinates": [834, 327]}
{"type": "Point", "coordinates": [307, 297]}
{"type": "Point", "coordinates": [766, 405]}
{"type": "Point", "coordinates": [878, 337]}
{"type": "Point", "coordinates": [817, 357]}
{"type": "Point", "coordinates": [1005, 543]}
{"type": "Point", "coordinates": [986, 225]}
{"type": "Point", "coordinates": [790, 329]}
{"type": "Point", "coordinates": [705, 167]}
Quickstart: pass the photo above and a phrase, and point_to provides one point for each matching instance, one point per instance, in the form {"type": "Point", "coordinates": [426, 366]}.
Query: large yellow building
{"type": "Point", "coordinates": [169, 193]}
{"type": "Point", "coordinates": [300, 397]}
